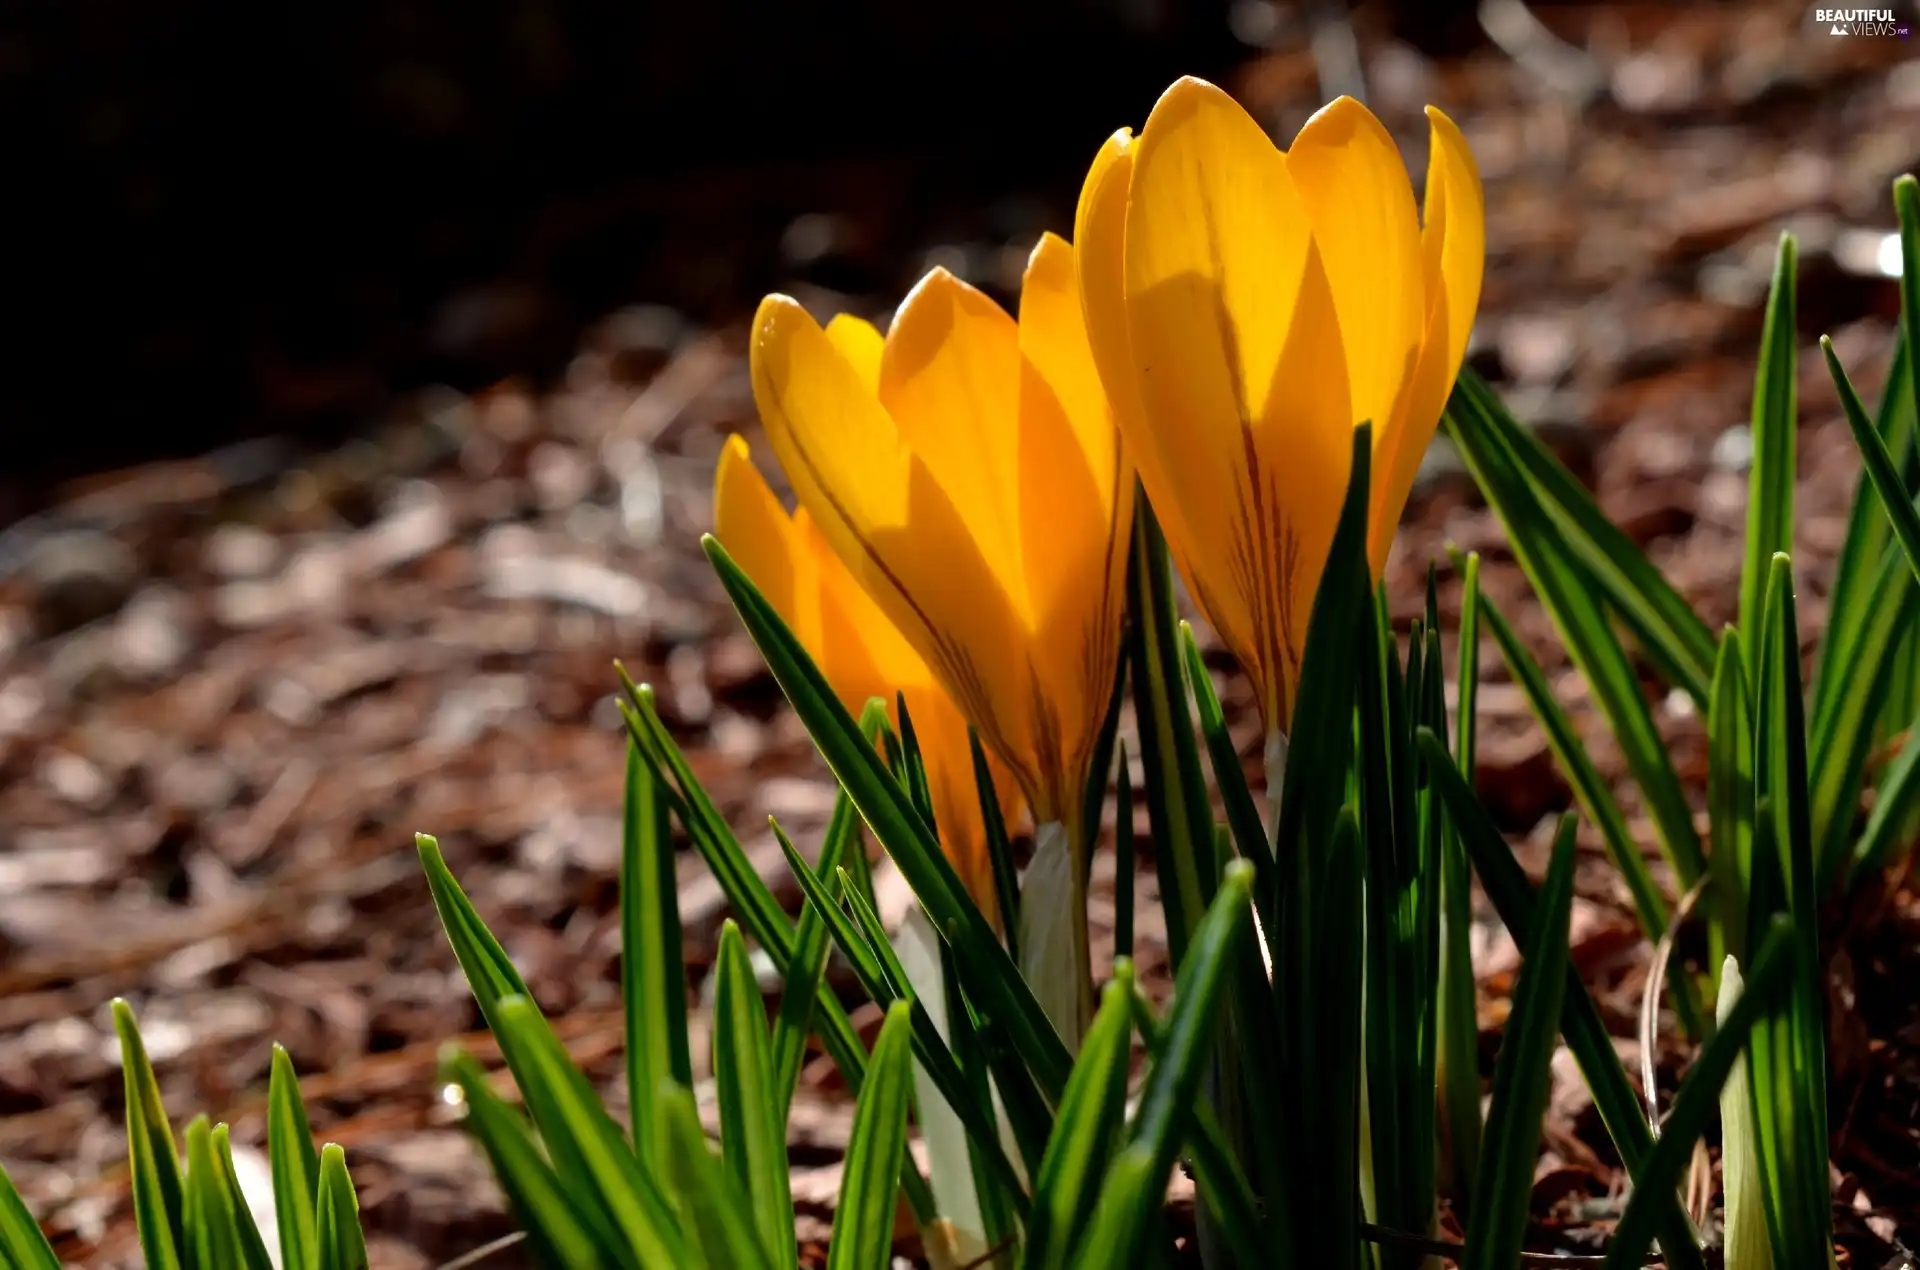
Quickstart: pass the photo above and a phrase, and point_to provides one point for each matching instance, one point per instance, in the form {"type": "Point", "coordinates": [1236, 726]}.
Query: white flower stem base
{"type": "Point", "coordinates": [1276, 757]}
{"type": "Point", "coordinates": [1053, 934]}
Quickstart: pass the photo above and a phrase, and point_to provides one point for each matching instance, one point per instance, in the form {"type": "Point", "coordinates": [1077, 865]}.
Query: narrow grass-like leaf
{"type": "Point", "coordinates": [1698, 1099]}
{"type": "Point", "coordinates": [1229, 777]}
{"type": "Point", "coordinates": [1086, 1131]}
{"type": "Point", "coordinates": [1100, 768]}
{"type": "Point", "coordinates": [490, 972]}
{"type": "Point", "coordinates": [253, 1247]}
{"type": "Point", "coordinates": [1770, 482]}
{"type": "Point", "coordinates": [22, 1243]}
{"type": "Point", "coordinates": [1589, 786]}
{"type": "Point", "coordinates": [1894, 806]}
{"type": "Point", "coordinates": [991, 976]}
{"type": "Point", "coordinates": [911, 768]}
{"type": "Point", "coordinates": [1397, 1185]}
{"type": "Point", "coordinates": [1497, 1228]}
{"type": "Point", "coordinates": [1567, 593]}
{"type": "Point", "coordinates": [1178, 805]}
{"type": "Point", "coordinates": [1115, 1235]}
{"type": "Point", "coordinates": [1220, 1182]}
{"type": "Point", "coordinates": [721, 1216]}
{"type": "Point", "coordinates": [1458, 1061]}
{"type": "Point", "coordinates": [337, 1224]}
{"type": "Point", "coordinates": [1513, 897]}
{"type": "Point", "coordinates": [1868, 531]}
{"type": "Point", "coordinates": [1028, 1114]}
{"type": "Point", "coordinates": [653, 978]}
{"type": "Point", "coordinates": [586, 1145]}
{"type": "Point", "coordinates": [804, 975]}
{"type": "Point", "coordinates": [566, 1232]}
{"type": "Point", "coordinates": [753, 1138]}
{"type": "Point", "coordinates": [1843, 726]}
{"type": "Point", "coordinates": [884, 981]}
{"type": "Point", "coordinates": [1317, 932]}
{"type": "Point", "coordinates": [1906, 206]}
{"type": "Point", "coordinates": [876, 1148]}
{"type": "Point", "coordinates": [1123, 887]}
{"type": "Point", "coordinates": [1006, 881]}
{"type": "Point", "coordinates": [1894, 496]}
{"type": "Point", "coordinates": [294, 1163]}
{"type": "Point", "coordinates": [152, 1158]}
{"type": "Point", "coordinates": [1730, 795]}
{"type": "Point", "coordinates": [1551, 499]}
{"type": "Point", "coordinates": [213, 1237]}
{"type": "Point", "coordinates": [1789, 1046]}
{"type": "Point", "coordinates": [754, 906]}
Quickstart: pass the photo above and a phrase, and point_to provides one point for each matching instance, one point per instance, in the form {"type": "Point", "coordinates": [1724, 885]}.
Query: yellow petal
{"type": "Point", "coordinates": [1076, 506]}
{"type": "Point", "coordinates": [1099, 235]}
{"type": "Point", "coordinates": [1453, 258]}
{"type": "Point", "coordinates": [888, 520]}
{"type": "Point", "coordinates": [862, 652]}
{"type": "Point", "coordinates": [1357, 194]}
{"type": "Point", "coordinates": [950, 377]}
{"type": "Point", "coordinates": [754, 528]}
{"type": "Point", "coordinates": [1453, 188]}
{"type": "Point", "coordinates": [1242, 377]}
{"type": "Point", "coordinates": [861, 344]}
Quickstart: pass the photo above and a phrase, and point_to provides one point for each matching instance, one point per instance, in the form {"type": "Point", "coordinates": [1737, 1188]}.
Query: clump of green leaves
{"type": "Point", "coordinates": [190, 1212]}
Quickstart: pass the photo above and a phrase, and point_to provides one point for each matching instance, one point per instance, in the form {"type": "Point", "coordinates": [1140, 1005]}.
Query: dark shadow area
{"type": "Point", "coordinates": [234, 220]}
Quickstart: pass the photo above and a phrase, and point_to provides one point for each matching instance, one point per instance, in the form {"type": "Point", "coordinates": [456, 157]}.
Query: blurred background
{"type": "Point", "coordinates": [369, 362]}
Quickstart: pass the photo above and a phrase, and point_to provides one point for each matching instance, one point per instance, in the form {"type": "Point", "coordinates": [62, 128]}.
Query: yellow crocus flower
{"type": "Point", "coordinates": [860, 653]}
{"type": "Point", "coordinates": [967, 471]}
{"type": "Point", "coordinates": [1248, 308]}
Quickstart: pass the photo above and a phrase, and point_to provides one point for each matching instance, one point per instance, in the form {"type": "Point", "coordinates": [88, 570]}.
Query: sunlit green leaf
{"type": "Point", "coordinates": [653, 982]}
{"type": "Point", "coordinates": [876, 1148]}
{"type": "Point", "coordinates": [1177, 799]}
{"type": "Point", "coordinates": [1775, 423]}
{"type": "Point", "coordinates": [753, 1138]}
{"type": "Point", "coordinates": [1497, 1227]}
{"type": "Point", "coordinates": [1086, 1131]}
{"type": "Point", "coordinates": [991, 976]}
{"type": "Point", "coordinates": [567, 1232]}
{"type": "Point", "coordinates": [1128, 1200]}
{"type": "Point", "coordinates": [294, 1163]}
{"type": "Point", "coordinates": [721, 1216]}
{"type": "Point", "coordinates": [1550, 500]}
{"type": "Point", "coordinates": [253, 1247]}
{"type": "Point", "coordinates": [337, 1224]}
{"type": "Point", "coordinates": [22, 1242]}
{"type": "Point", "coordinates": [152, 1158]}
{"type": "Point", "coordinates": [1513, 897]}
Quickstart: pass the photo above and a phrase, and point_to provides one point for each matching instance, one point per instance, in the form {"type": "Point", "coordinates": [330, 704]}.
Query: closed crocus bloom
{"type": "Point", "coordinates": [860, 653]}
{"type": "Point", "coordinates": [1249, 307]}
{"type": "Point", "coordinates": [967, 471]}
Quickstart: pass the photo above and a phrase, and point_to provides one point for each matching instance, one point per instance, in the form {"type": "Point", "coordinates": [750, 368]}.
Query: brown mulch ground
{"type": "Point", "coordinates": [231, 689]}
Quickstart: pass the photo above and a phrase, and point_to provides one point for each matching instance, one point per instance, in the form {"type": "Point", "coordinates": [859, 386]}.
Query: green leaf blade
{"type": "Point", "coordinates": [342, 1244]}
{"type": "Point", "coordinates": [1497, 1228]}
{"type": "Point", "coordinates": [294, 1164]}
{"type": "Point", "coordinates": [752, 1137]}
{"type": "Point", "coordinates": [653, 982]}
{"type": "Point", "coordinates": [876, 1148]}
{"type": "Point", "coordinates": [152, 1158]}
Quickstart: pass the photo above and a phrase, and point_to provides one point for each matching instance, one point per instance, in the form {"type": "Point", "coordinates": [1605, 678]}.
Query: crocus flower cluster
{"type": "Point", "coordinates": [1227, 315]}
